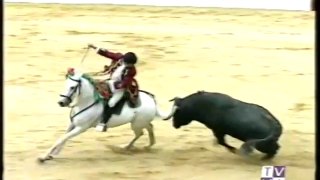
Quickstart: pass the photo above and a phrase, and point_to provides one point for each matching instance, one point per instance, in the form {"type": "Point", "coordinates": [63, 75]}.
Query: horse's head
{"type": "Point", "coordinates": [73, 86]}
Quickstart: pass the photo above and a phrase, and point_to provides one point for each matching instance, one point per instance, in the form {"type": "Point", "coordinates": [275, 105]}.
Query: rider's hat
{"type": "Point", "coordinates": [130, 58]}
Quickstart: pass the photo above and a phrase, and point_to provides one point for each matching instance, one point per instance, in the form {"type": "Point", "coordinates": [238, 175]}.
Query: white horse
{"type": "Point", "coordinates": [88, 109]}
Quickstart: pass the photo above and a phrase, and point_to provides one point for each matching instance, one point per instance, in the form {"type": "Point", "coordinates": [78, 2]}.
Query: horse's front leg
{"type": "Point", "coordinates": [57, 150]}
{"type": "Point", "coordinates": [60, 142]}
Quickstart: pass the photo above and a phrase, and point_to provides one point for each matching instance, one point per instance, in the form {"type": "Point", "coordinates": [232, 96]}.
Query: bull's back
{"type": "Point", "coordinates": [245, 121]}
{"type": "Point", "coordinates": [236, 118]}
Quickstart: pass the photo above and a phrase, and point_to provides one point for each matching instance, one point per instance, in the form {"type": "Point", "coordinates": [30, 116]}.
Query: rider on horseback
{"type": "Point", "coordinates": [122, 72]}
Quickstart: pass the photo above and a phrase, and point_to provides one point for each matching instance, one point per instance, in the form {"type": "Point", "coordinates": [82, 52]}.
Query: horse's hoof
{"type": "Point", "coordinates": [41, 160]}
{"type": "Point", "coordinates": [147, 147]}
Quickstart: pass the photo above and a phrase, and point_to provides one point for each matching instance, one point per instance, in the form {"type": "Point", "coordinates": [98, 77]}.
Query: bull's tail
{"type": "Point", "coordinates": [275, 133]}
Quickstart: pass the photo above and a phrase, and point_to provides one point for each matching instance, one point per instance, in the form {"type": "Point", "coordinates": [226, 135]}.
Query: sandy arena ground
{"type": "Point", "coordinates": [265, 57]}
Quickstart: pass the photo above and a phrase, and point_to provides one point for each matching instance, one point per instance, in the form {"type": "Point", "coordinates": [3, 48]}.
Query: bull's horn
{"type": "Point", "coordinates": [173, 99]}
{"type": "Point", "coordinates": [174, 109]}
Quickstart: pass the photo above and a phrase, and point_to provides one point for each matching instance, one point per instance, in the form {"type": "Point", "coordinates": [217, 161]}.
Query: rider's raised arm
{"type": "Point", "coordinates": [109, 54]}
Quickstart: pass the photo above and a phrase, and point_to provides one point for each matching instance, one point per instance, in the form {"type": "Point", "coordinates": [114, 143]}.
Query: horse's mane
{"type": "Point", "coordinates": [89, 78]}
{"type": "Point", "coordinates": [92, 81]}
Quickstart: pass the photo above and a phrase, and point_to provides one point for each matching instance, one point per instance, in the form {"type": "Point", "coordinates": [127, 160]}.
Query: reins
{"type": "Point", "coordinates": [71, 117]}
{"type": "Point", "coordinates": [96, 97]}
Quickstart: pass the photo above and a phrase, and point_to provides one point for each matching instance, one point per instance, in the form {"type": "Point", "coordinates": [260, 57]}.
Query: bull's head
{"type": "Point", "coordinates": [178, 113]}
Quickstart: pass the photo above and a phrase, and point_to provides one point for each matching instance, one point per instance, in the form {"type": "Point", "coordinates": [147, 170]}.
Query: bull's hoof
{"type": "Point", "coordinates": [268, 157]}
{"type": "Point", "coordinates": [233, 150]}
{"type": "Point", "coordinates": [245, 149]}
{"type": "Point", "coordinates": [242, 152]}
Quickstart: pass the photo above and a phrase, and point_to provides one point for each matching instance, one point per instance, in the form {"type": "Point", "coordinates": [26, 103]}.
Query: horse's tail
{"type": "Point", "coordinates": [159, 113]}
{"type": "Point", "coordinates": [152, 95]}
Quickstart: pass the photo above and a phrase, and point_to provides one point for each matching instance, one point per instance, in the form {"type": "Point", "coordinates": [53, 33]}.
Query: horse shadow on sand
{"type": "Point", "coordinates": [170, 157]}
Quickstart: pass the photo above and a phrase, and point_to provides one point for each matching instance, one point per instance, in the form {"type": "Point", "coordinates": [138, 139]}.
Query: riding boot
{"type": "Point", "coordinates": [102, 126]}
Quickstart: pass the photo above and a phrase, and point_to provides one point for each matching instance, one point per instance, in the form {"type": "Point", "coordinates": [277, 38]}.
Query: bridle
{"type": "Point", "coordinates": [71, 94]}
{"type": "Point", "coordinates": [73, 90]}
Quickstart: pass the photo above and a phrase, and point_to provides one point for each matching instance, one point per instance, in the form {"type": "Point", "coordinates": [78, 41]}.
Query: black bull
{"type": "Point", "coordinates": [224, 115]}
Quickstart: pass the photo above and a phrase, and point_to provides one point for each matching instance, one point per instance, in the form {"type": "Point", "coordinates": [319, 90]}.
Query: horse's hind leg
{"type": "Point", "coordinates": [152, 139]}
{"type": "Point", "coordinates": [138, 132]}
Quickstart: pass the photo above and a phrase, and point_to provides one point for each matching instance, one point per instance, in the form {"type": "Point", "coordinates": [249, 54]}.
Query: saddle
{"type": "Point", "coordinates": [131, 93]}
